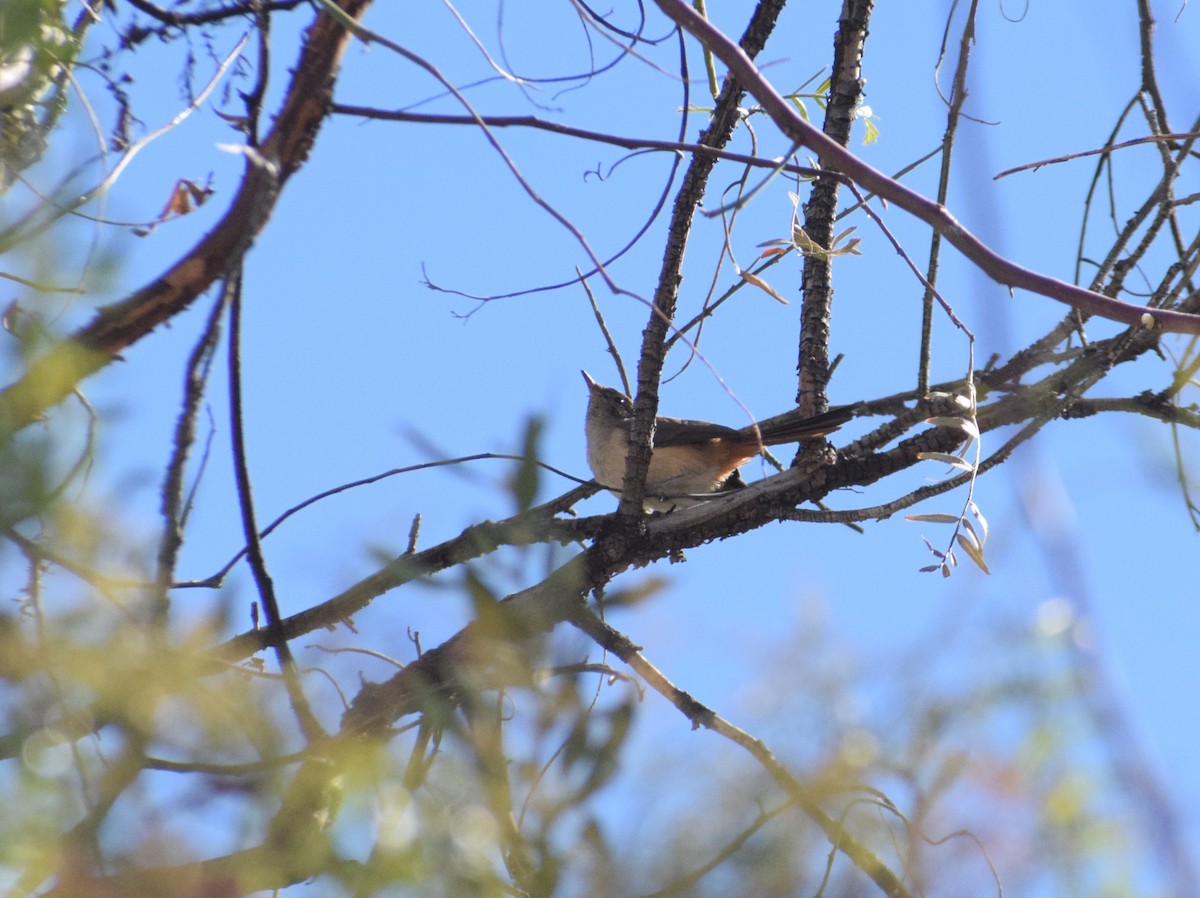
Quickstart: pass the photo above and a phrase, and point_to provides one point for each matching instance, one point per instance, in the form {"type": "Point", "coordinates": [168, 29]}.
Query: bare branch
{"type": "Point", "coordinates": [116, 327]}
{"type": "Point", "coordinates": [988, 260]}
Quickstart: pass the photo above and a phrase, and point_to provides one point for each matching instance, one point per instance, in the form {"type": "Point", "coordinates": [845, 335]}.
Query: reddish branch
{"type": "Point", "coordinates": [1000, 269]}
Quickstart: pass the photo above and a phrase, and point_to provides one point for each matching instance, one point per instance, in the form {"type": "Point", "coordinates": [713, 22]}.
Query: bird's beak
{"type": "Point", "coordinates": [588, 379]}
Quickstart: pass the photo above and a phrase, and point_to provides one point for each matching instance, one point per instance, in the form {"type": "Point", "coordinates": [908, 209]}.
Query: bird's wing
{"type": "Point", "coordinates": [681, 432]}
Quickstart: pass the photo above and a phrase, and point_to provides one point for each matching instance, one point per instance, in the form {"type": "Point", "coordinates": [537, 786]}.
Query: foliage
{"type": "Point", "coordinates": [167, 733]}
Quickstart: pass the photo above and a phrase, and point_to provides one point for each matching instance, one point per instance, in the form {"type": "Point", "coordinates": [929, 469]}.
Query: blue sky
{"type": "Point", "coordinates": [348, 355]}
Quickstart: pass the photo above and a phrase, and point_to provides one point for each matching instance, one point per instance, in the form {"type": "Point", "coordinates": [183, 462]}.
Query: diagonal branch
{"type": "Point", "coordinates": [996, 266]}
{"type": "Point", "coordinates": [535, 525]}
{"type": "Point", "coordinates": [702, 716]}
{"type": "Point", "coordinates": [52, 377]}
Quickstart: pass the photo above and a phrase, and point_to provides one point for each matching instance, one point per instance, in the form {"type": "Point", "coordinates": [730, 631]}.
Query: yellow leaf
{"type": "Point", "coordinates": [976, 554]}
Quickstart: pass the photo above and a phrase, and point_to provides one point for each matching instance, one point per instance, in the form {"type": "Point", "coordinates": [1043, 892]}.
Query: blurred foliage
{"type": "Point", "coordinates": [127, 747]}
{"type": "Point", "coordinates": [137, 759]}
{"type": "Point", "coordinates": [37, 49]}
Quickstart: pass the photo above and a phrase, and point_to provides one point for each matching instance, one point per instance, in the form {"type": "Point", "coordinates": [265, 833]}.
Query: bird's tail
{"type": "Point", "coordinates": [806, 428]}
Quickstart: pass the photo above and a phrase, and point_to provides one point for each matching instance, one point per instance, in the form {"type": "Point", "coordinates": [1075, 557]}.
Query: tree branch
{"type": "Point", "coordinates": [816, 310]}
{"type": "Point", "coordinates": [834, 156]}
{"type": "Point", "coordinates": [54, 375]}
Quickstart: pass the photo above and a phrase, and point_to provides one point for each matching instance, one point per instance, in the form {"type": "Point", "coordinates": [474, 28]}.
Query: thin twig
{"type": "Point", "coordinates": [215, 580]}
{"type": "Point", "coordinates": [1101, 151]}
{"type": "Point", "coordinates": [173, 506]}
{"type": "Point", "coordinates": [958, 95]}
{"type": "Point", "coordinates": [309, 724]}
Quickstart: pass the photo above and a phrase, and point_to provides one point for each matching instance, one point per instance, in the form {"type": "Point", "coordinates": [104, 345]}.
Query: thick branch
{"type": "Point", "coordinates": [819, 212]}
{"type": "Point", "coordinates": [726, 115]}
{"type": "Point", "coordinates": [52, 377]}
{"type": "Point", "coordinates": [532, 526]}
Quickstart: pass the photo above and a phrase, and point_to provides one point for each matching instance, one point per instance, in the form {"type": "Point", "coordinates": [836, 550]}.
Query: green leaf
{"type": "Point", "coordinates": [527, 478]}
{"type": "Point", "coordinates": [645, 589]}
{"type": "Point", "coordinates": [872, 132]}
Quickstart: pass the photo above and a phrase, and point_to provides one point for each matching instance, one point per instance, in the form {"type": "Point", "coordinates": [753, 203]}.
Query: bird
{"type": "Point", "coordinates": [691, 461]}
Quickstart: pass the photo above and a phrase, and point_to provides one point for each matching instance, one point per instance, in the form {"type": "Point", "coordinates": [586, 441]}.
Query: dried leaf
{"type": "Point", "coordinates": [764, 286]}
{"type": "Point", "coordinates": [935, 552]}
{"type": "Point", "coordinates": [186, 196]}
